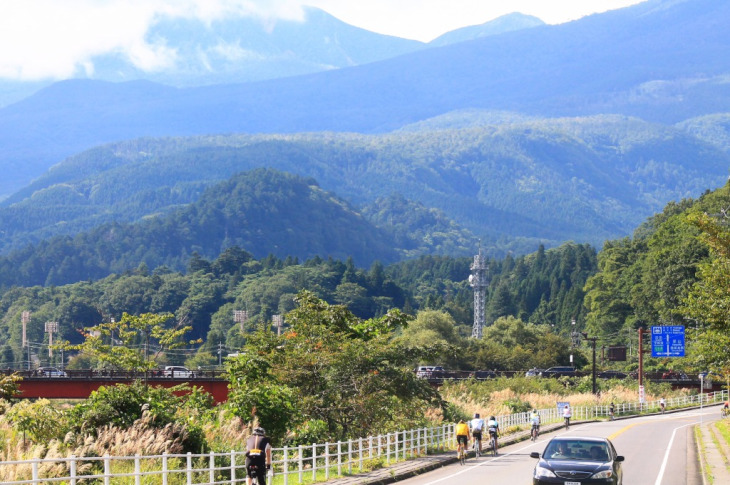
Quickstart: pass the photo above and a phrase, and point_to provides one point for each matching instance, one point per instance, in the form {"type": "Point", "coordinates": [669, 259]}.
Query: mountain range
{"type": "Point", "coordinates": [536, 133]}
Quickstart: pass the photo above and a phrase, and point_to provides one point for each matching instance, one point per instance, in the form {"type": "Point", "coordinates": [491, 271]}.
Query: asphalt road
{"type": "Point", "coordinates": [659, 450]}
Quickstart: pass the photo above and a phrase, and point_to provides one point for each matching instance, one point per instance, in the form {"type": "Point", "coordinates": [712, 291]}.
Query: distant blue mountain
{"type": "Point", "coordinates": [505, 23]}
{"type": "Point", "coordinates": [243, 49]}
{"type": "Point", "coordinates": [661, 60]}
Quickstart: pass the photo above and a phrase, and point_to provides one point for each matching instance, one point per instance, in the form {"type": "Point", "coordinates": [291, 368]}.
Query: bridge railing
{"type": "Point", "coordinates": [299, 464]}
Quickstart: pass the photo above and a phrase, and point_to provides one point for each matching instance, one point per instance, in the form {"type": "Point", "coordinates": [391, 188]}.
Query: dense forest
{"type": "Point", "coordinates": [544, 289]}
{"type": "Point", "coordinates": [264, 211]}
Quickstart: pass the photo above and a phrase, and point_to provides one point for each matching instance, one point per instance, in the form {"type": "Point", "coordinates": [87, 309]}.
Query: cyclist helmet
{"type": "Point", "coordinates": [476, 415]}
{"type": "Point", "coordinates": [259, 431]}
{"type": "Point", "coordinates": [492, 418]}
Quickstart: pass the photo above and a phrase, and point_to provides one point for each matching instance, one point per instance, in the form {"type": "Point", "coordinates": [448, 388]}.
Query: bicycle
{"type": "Point", "coordinates": [477, 448]}
{"type": "Point", "coordinates": [724, 412]}
{"type": "Point", "coordinates": [493, 444]}
{"type": "Point", "coordinates": [567, 422]}
{"type": "Point", "coordinates": [462, 456]}
{"type": "Point", "coordinates": [535, 432]}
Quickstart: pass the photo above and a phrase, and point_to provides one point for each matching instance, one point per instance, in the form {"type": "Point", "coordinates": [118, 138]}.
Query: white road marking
{"type": "Point", "coordinates": [494, 458]}
{"type": "Point", "coordinates": [666, 454]}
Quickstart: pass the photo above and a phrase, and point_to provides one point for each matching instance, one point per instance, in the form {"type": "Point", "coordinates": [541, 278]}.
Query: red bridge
{"type": "Point", "coordinates": [80, 384]}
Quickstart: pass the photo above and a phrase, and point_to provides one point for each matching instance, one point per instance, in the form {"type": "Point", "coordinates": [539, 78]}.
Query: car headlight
{"type": "Point", "coordinates": [541, 472]}
{"type": "Point", "coordinates": [603, 474]}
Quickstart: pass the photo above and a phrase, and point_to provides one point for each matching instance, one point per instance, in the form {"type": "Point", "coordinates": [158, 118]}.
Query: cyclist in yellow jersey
{"type": "Point", "coordinates": [462, 436]}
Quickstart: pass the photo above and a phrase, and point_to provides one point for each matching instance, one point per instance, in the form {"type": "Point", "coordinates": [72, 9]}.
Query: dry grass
{"type": "Point", "coordinates": [496, 402]}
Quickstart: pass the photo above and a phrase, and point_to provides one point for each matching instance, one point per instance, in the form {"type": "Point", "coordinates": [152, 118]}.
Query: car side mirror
{"type": "Point", "coordinates": [619, 458]}
{"type": "Point", "coordinates": [535, 454]}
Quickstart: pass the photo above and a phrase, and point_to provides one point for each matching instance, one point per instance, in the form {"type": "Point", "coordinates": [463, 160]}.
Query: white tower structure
{"type": "Point", "coordinates": [478, 281]}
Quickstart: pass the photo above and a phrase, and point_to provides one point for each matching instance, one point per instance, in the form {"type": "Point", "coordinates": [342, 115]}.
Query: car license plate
{"type": "Point", "coordinates": [572, 483]}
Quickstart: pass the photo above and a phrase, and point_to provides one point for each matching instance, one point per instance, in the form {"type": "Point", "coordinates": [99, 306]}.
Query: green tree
{"type": "Point", "coordinates": [125, 344]}
{"type": "Point", "coordinates": [333, 368]}
{"type": "Point", "coordinates": [708, 300]}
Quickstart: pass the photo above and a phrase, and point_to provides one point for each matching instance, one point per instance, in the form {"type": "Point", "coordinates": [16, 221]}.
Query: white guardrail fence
{"type": "Point", "coordinates": [302, 464]}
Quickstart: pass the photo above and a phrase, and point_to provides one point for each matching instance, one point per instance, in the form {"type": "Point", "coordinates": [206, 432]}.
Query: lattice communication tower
{"type": "Point", "coordinates": [478, 281]}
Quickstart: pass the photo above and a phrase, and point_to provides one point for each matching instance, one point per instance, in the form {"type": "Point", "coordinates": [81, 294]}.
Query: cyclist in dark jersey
{"type": "Point", "coordinates": [258, 456]}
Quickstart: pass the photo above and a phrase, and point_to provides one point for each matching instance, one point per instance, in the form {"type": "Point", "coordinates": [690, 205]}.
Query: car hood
{"type": "Point", "coordinates": [575, 465]}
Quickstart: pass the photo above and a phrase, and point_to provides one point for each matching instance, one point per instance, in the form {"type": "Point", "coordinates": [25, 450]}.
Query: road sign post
{"type": "Point", "coordinates": [667, 341]}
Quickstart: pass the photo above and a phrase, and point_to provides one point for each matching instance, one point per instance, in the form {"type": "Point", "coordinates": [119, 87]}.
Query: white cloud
{"type": "Point", "coordinates": [56, 39]}
{"type": "Point", "coordinates": [52, 39]}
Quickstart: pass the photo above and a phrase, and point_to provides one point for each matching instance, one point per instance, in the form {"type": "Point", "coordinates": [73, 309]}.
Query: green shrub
{"type": "Point", "coordinates": [41, 420]}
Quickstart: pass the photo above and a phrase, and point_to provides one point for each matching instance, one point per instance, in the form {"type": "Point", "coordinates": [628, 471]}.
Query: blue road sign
{"type": "Point", "coordinates": [667, 341]}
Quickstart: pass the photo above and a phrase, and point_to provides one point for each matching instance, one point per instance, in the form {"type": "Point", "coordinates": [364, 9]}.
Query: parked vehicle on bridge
{"type": "Point", "coordinates": [574, 460]}
{"type": "Point", "coordinates": [483, 374]}
{"type": "Point", "coordinates": [559, 371]}
{"type": "Point", "coordinates": [612, 374]}
{"type": "Point", "coordinates": [176, 371]}
{"type": "Point", "coordinates": [50, 372]}
{"type": "Point", "coordinates": [429, 371]}
{"type": "Point", "coordinates": [675, 375]}
{"type": "Point", "coordinates": [534, 372]}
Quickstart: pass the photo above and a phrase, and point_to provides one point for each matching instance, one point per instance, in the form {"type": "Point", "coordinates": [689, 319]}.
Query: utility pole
{"type": "Point", "coordinates": [478, 281]}
{"type": "Point", "coordinates": [575, 339]}
{"type": "Point", "coordinates": [641, 367]}
{"type": "Point", "coordinates": [25, 319]}
{"type": "Point", "coordinates": [278, 321]}
{"type": "Point", "coordinates": [50, 328]}
{"type": "Point", "coordinates": [240, 317]}
{"type": "Point", "coordinates": [593, 343]}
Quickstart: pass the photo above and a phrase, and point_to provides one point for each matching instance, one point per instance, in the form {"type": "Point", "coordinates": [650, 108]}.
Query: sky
{"type": "Point", "coordinates": [57, 39]}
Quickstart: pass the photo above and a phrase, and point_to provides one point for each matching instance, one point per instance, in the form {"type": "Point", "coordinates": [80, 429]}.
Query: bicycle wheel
{"type": "Point", "coordinates": [462, 458]}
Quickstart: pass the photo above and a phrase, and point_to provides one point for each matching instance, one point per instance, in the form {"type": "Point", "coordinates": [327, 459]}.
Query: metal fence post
{"type": "Point", "coordinates": [314, 462]}
{"type": "Point", "coordinates": [349, 456]}
{"type": "Point", "coordinates": [72, 469]}
{"type": "Point", "coordinates": [327, 461]}
{"type": "Point", "coordinates": [387, 448]}
{"type": "Point", "coordinates": [286, 465]}
{"type": "Point", "coordinates": [359, 449]}
{"type": "Point", "coordinates": [164, 468]}
{"type": "Point", "coordinates": [211, 474]}
{"type": "Point", "coordinates": [189, 462]}
{"type": "Point", "coordinates": [137, 470]}
{"type": "Point", "coordinates": [107, 469]}
{"type": "Point", "coordinates": [301, 464]}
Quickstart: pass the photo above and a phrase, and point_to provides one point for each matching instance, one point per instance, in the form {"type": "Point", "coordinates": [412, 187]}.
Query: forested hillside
{"type": "Point", "coordinates": [544, 288]}
{"type": "Point", "coordinates": [513, 182]}
{"type": "Point", "coordinates": [263, 211]}
{"type": "Point", "coordinates": [644, 280]}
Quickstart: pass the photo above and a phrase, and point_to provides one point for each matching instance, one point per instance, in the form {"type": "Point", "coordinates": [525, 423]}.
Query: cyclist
{"type": "Point", "coordinates": [476, 425]}
{"type": "Point", "coordinates": [258, 456]}
{"type": "Point", "coordinates": [493, 428]}
{"type": "Point", "coordinates": [462, 437]}
{"type": "Point", "coordinates": [611, 410]}
{"type": "Point", "coordinates": [535, 420]}
{"type": "Point", "coordinates": [567, 414]}
{"type": "Point", "coordinates": [662, 404]}
{"type": "Point", "coordinates": [726, 408]}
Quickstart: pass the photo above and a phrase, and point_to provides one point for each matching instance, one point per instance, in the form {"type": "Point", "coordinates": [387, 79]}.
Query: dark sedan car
{"type": "Point", "coordinates": [612, 374]}
{"type": "Point", "coordinates": [578, 460]}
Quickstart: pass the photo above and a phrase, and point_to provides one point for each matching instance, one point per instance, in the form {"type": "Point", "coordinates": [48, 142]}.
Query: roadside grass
{"type": "Point", "coordinates": [706, 470]}
{"type": "Point", "coordinates": [723, 426]}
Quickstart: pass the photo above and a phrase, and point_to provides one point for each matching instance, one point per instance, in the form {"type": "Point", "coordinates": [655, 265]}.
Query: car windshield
{"type": "Point", "coordinates": [577, 450]}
